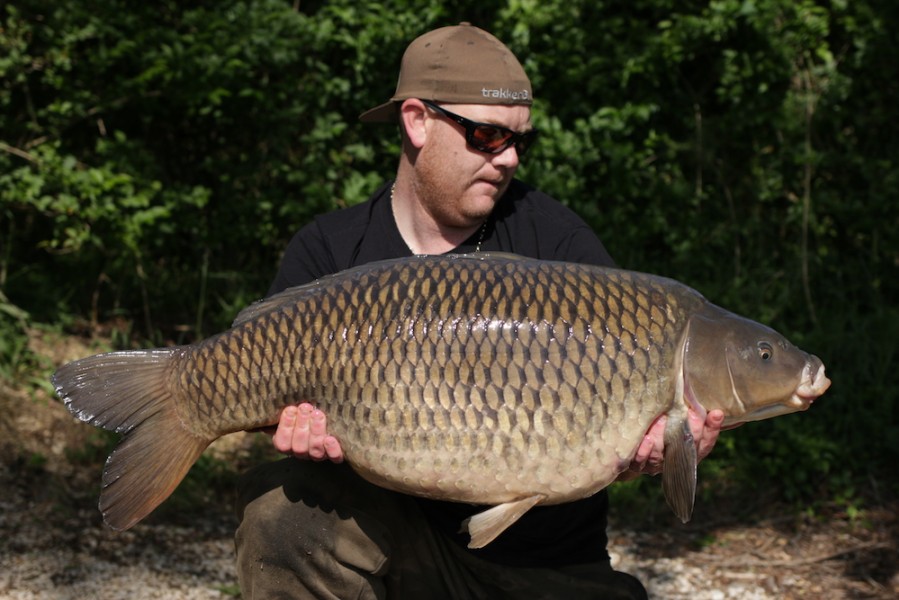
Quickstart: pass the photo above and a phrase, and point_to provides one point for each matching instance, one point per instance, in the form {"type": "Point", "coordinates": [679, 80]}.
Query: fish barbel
{"type": "Point", "coordinates": [489, 379]}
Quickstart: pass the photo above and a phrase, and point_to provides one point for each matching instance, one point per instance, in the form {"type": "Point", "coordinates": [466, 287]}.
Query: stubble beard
{"type": "Point", "coordinates": [442, 193]}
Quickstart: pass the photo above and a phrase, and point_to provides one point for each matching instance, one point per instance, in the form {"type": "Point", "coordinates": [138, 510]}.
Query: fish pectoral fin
{"type": "Point", "coordinates": [485, 526]}
{"type": "Point", "coordinates": [679, 469]}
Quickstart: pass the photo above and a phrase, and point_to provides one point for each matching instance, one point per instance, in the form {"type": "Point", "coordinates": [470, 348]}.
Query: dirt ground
{"type": "Point", "coordinates": [53, 544]}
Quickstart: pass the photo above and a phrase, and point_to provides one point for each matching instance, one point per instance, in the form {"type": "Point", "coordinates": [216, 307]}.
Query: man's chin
{"type": "Point", "coordinates": [482, 205]}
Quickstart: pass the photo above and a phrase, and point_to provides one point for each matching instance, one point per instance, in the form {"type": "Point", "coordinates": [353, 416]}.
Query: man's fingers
{"type": "Point", "coordinates": [644, 450]}
{"type": "Point", "coordinates": [315, 440]}
{"type": "Point", "coordinates": [648, 458]}
{"type": "Point", "coordinates": [650, 453]}
{"type": "Point", "coordinates": [332, 449]}
{"type": "Point", "coordinates": [713, 423]}
{"type": "Point", "coordinates": [317, 424]}
{"type": "Point", "coordinates": [303, 433]}
{"type": "Point", "coordinates": [300, 440]}
{"type": "Point", "coordinates": [283, 437]}
{"type": "Point", "coordinates": [715, 419]}
{"type": "Point", "coordinates": [708, 431]}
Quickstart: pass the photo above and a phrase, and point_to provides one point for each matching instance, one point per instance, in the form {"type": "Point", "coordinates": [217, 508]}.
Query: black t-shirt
{"type": "Point", "coordinates": [526, 222]}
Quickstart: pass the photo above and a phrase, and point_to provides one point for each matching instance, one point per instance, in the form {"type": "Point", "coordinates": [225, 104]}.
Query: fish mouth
{"type": "Point", "coordinates": [811, 386]}
{"type": "Point", "coordinates": [814, 383]}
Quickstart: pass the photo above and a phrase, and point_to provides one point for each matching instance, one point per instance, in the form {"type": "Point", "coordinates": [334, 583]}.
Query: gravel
{"type": "Point", "coordinates": [51, 551]}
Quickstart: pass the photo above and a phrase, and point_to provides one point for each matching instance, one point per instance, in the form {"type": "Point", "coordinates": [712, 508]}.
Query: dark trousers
{"type": "Point", "coordinates": [318, 530]}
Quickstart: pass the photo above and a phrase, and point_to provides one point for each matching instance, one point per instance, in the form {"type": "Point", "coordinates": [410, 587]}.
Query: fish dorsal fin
{"type": "Point", "coordinates": [289, 295]}
{"type": "Point", "coordinates": [679, 468]}
{"type": "Point", "coordinates": [485, 526]}
{"type": "Point", "coordinates": [273, 302]}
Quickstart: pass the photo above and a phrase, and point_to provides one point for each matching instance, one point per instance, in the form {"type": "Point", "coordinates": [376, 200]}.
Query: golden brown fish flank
{"type": "Point", "coordinates": [403, 337]}
{"type": "Point", "coordinates": [487, 379]}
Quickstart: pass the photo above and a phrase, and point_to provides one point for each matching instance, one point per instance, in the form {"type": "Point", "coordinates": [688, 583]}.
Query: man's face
{"type": "Point", "coordinates": [457, 184]}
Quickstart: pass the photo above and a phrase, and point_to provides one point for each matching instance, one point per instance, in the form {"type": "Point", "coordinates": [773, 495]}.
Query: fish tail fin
{"type": "Point", "coordinates": [127, 392]}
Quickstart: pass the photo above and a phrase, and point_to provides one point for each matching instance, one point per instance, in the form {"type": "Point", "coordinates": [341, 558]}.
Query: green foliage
{"type": "Point", "coordinates": [14, 352]}
{"type": "Point", "coordinates": [229, 590]}
{"type": "Point", "coordinates": [155, 159]}
{"type": "Point", "coordinates": [95, 451]}
{"type": "Point", "coordinates": [210, 482]}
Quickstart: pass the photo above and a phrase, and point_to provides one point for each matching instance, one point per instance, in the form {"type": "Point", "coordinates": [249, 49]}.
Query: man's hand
{"type": "Point", "coordinates": [302, 433]}
{"type": "Point", "coordinates": [651, 452]}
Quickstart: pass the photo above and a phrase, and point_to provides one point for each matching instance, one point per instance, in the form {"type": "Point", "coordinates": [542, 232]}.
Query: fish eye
{"type": "Point", "coordinates": [766, 352]}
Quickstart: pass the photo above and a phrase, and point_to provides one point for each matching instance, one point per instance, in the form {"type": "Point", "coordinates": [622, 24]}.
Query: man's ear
{"type": "Point", "coordinates": [413, 118]}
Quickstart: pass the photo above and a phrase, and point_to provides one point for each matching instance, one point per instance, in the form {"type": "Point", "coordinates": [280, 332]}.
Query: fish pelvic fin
{"type": "Point", "coordinates": [485, 526]}
{"type": "Point", "coordinates": [127, 392]}
{"type": "Point", "coordinates": [679, 468]}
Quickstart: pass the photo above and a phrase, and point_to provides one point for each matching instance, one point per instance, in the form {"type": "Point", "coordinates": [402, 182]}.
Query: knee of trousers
{"type": "Point", "coordinates": [314, 520]}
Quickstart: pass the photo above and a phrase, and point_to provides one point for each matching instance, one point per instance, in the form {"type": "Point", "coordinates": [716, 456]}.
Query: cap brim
{"type": "Point", "coordinates": [384, 113]}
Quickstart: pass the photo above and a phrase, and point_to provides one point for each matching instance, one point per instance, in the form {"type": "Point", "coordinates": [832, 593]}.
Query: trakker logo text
{"type": "Point", "coordinates": [505, 94]}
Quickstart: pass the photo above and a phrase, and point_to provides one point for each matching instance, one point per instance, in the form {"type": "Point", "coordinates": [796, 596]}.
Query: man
{"type": "Point", "coordinates": [317, 530]}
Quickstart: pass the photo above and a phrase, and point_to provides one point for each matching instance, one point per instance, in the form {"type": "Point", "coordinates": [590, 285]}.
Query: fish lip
{"type": "Point", "coordinates": [811, 387]}
{"type": "Point", "coordinates": [800, 402]}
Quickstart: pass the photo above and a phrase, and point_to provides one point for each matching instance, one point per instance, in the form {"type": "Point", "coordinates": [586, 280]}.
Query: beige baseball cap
{"type": "Point", "coordinates": [458, 64]}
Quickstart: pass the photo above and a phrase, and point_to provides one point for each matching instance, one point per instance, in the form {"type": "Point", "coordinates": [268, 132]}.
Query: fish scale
{"type": "Point", "coordinates": [489, 379]}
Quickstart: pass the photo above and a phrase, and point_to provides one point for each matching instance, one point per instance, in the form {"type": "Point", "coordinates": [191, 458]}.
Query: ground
{"type": "Point", "coordinates": [53, 544]}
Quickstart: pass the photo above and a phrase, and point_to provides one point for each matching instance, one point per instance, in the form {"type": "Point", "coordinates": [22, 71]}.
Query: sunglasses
{"type": "Point", "coordinates": [488, 138]}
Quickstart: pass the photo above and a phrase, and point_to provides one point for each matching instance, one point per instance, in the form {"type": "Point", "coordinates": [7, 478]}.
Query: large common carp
{"type": "Point", "coordinates": [489, 379]}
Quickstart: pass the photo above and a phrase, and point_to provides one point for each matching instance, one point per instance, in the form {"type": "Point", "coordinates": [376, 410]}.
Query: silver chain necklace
{"type": "Point", "coordinates": [482, 235]}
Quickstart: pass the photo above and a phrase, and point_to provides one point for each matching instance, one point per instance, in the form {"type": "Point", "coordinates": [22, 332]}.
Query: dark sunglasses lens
{"type": "Point", "coordinates": [490, 139]}
{"type": "Point", "coordinates": [524, 142]}
{"type": "Point", "coordinates": [494, 140]}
